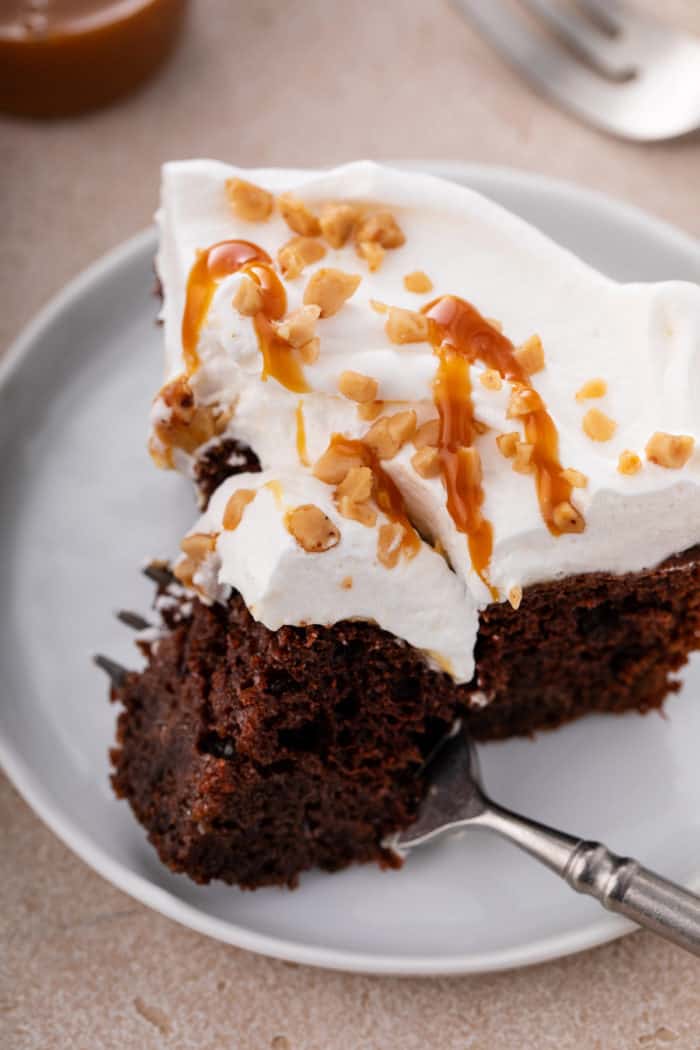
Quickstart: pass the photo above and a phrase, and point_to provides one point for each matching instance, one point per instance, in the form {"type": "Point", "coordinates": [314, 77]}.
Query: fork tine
{"type": "Point", "coordinates": [116, 673]}
{"type": "Point", "coordinates": [133, 620]}
{"type": "Point", "coordinates": [605, 13]}
{"type": "Point", "coordinates": [159, 574]}
{"type": "Point", "coordinates": [604, 52]}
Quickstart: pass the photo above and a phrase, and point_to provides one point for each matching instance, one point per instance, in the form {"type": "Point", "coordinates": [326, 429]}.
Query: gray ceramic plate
{"type": "Point", "coordinates": [82, 508]}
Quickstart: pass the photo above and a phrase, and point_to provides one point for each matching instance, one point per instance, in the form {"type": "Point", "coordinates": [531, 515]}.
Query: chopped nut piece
{"type": "Point", "coordinates": [235, 506]}
{"type": "Point", "coordinates": [593, 388]}
{"type": "Point", "coordinates": [491, 379]}
{"type": "Point", "coordinates": [629, 462]}
{"type": "Point", "coordinates": [300, 327]}
{"type": "Point", "coordinates": [299, 253]}
{"type": "Point", "coordinates": [198, 544]}
{"type": "Point", "coordinates": [312, 529]}
{"type": "Point", "coordinates": [523, 400]}
{"type": "Point", "coordinates": [530, 356]}
{"type": "Point", "coordinates": [249, 202]}
{"type": "Point", "coordinates": [426, 461]}
{"type": "Point", "coordinates": [357, 484]}
{"type": "Point", "coordinates": [186, 426]}
{"type": "Point", "coordinates": [372, 253]}
{"type": "Point", "coordinates": [389, 544]}
{"type": "Point", "coordinates": [184, 571]}
{"type": "Point", "coordinates": [381, 227]}
{"type": "Point", "coordinates": [597, 425]}
{"type": "Point", "coordinates": [333, 466]}
{"type": "Point", "coordinates": [508, 443]}
{"type": "Point", "coordinates": [669, 450]}
{"type": "Point", "coordinates": [298, 217]}
{"type": "Point", "coordinates": [418, 282]}
{"type": "Point", "coordinates": [470, 463]}
{"type": "Point", "coordinates": [389, 433]}
{"type": "Point", "coordinates": [427, 434]}
{"type": "Point", "coordinates": [247, 298]}
{"type": "Point", "coordinates": [515, 596]}
{"type": "Point", "coordinates": [309, 351]}
{"type": "Point", "coordinates": [370, 411]}
{"type": "Point", "coordinates": [575, 478]}
{"type": "Point", "coordinates": [378, 307]}
{"type": "Point", "coordinates": [329, 289]}
{"type": "Point", "coordinates": [522, 460]}
{"type": "Point", "coordinates": [567, 518]}
{"type": "Point", "coordinates": [406, 326]}
{"type": "Point", "coordinates": [353, 495]}
{"type": "Point", "coordinates": [337, 221]}
{"type": "Point", "coordinates": [357, 387]}
{"type": "Point", "coordinates": [346, 583]}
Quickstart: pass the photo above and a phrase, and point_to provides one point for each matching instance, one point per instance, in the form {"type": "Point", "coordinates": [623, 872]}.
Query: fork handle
{"type": "Point", "coordinates": [621, 884]}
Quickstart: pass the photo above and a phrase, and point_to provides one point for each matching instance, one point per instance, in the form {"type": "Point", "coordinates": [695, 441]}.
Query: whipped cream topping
{"type": "Point", "coordinates": [643, 340]}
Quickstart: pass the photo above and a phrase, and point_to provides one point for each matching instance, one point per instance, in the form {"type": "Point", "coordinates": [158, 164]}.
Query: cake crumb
{"type": "Point", "coordinates": [669, 450]}
{"type": "Point", "coordinates": [597, 425]}
{"type": "Point", "coordinates": [312, 529]}
{"type": "Point", "coordinates": [592, 388]}
{"type": "Point", "coordinates": [417, 282]}
{"type": "Point", "coordinates": [249, 202]}
{"type": "Point", "coordinates": [629, 462]}
{"type": "Point", "coordinates": [154, 1015]}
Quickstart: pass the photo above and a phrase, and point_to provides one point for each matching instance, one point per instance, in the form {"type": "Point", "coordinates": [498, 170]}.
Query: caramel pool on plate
{"type": "Point", "coordinates": [63, 57]}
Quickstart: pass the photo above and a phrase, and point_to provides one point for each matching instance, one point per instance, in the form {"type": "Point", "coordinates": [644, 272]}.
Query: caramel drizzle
{"type": "Point", "coordinates": [280, 360]}
{"type": "Point", "coordinates": [302, 450]}
{"type": "Point", "coordinates": [460, 336]}
{"type": "Point", "coordinates": [386, 493]}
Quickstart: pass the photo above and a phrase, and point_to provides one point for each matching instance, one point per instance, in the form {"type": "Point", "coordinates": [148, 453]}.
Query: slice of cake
{"type": "Point", "coordinates": [446, 470]}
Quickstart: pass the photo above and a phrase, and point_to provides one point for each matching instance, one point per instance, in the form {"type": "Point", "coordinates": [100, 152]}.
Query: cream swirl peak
{"type": "Point", "coordinates": [418, 371]}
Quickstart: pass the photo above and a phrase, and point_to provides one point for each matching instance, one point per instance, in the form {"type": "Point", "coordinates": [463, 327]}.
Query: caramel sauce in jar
{"type": "Point", "coordinates": [64, 57]}
{"type": "Point", "coordinates": [460, 336]}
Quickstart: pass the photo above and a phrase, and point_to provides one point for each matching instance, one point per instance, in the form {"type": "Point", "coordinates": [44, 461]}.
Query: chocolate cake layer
{"type": "Point", "coordinates": [251, 755]}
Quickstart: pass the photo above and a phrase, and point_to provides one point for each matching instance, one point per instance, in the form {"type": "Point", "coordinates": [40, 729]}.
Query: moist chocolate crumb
{"type": "Point", "coordinates": [252, 755]}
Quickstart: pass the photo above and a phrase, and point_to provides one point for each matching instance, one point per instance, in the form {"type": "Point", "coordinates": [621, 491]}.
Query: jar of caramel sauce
{"type": "Point", "coordinates": [63, 57]}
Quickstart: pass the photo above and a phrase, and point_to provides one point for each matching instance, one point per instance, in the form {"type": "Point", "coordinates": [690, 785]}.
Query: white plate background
{"type": "Point", "coordinates": [82, 507]}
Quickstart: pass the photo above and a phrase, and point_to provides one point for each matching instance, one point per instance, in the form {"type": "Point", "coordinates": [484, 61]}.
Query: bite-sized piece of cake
{"type": "Point", "coordinates": [449, 435]}
{"type": "Point", "coordinates": [250, 755]}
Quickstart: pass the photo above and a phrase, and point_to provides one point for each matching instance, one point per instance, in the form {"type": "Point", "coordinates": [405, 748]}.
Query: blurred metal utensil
{"type": "Point", "coordinates": [456, 799]}
{"type": "Point", "coordinates": [623, 71]}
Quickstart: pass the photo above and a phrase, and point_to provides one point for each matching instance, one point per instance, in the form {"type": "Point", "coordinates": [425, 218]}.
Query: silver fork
{"type": "Point", "coordinates": [620, 70]}
{"type": "Point", "coordinates": [456, 799]}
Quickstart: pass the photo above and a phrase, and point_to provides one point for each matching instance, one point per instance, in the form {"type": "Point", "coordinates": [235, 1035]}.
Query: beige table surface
{"type": "Point", "coordinates": [309, 82]}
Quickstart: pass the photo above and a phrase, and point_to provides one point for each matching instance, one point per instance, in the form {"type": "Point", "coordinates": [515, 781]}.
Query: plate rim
{"type": "Point", "coordinates": [607, 928]}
